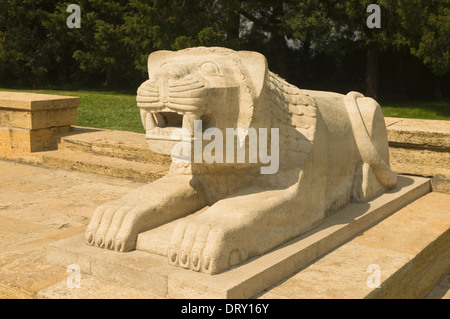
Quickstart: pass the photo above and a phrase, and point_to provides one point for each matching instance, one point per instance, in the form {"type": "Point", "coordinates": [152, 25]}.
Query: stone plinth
{"type": "Point", "coordinates": [146, 270]}
{"type": "Point", "coordinates": [421, 147]}
{"type": "Point", "coordinates": [28, 121]}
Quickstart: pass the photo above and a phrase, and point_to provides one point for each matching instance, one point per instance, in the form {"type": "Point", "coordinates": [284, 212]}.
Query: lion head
{"type": "Point", "coordinates": [215, 85]}
{"type": "Point", "coordinates": [226, 89]}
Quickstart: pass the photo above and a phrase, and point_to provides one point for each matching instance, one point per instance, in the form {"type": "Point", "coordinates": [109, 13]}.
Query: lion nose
{"type": "Point", "coordinates": [168, 73]}
{"type": "Point", "coordinates": [163, 89]}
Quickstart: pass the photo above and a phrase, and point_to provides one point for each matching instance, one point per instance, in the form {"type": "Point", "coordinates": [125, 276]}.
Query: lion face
{"type": "Point", "coordinates": [207, 84]}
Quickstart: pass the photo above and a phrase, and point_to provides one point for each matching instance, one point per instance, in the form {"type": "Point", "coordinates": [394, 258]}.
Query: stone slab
{"type": "Point", "coordinates": [136, 269]}
{"type": "Point", "coordinates": [410, 250]}
{"type": "Point", "coordinates": [421, 147]}
{"type": "Point", "coordinates": [91, 288]}
{"type": "Point", "coordinates": [29, 121]}
{"type": "Point", "coordinates": [35, 101]}
{"type": "Point", "coordinates": [431, 134]}
{"type": "Point", "coordinates": [105, 165]}
{"type": "Point", "coordinates": [39, 206]}
{"type": "Point", "coordinates": [34, 120]}
{"type": "Point", "coordinates": [16, 141]}
{"type": "Point", "coordinates": [420, 162]}
{"type": "Point", "coordinates": [119, 144]}
{"type": "Point", "coordinates": [106, 152]}
{"type": "Point", "coordinates": [151, 272]}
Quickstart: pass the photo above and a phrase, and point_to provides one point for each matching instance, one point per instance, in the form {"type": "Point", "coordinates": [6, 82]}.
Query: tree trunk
{"type": "Point", "coordinates": [109, 77]}
{"type": "Point", "coordinates": [371, 84]}
{"type": "Point", "coordinates": [279, 42]}
{"type": "Point", "coordinates": [234, 23]}
{"type": "Point", "coordinates": [280, 50]}
{"type": "Point", "coordinates": [437, 91]}
{"type": "Point", "coordinates": [306, 49]}
{"type": "Point", "coordinates": [62, 72]}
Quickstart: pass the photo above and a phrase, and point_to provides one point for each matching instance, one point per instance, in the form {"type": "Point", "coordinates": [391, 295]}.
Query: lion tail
{"type": "Point", "coordinates": [364, 142]}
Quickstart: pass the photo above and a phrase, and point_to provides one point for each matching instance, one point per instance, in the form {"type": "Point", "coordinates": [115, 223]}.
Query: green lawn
{"type": "Point", "coordinates": [111, 110]}
{"type": "Point", "coordinates": [118, 110]}
{"type": "Point", "coordinates": [432, 110]}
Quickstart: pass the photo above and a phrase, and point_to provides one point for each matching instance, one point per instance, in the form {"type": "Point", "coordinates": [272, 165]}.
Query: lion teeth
{"type": "Point", "coordinates": [150, 123]}
{"type": "Point", "coordinates": [188, 121]}
{"type": "Point", "coordinates": [143, 117]}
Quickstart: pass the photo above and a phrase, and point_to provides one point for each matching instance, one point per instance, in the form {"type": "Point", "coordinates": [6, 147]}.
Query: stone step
{"type": "Point", "coordinates": [404, 256]}
{"type": "Point", "coordinates": [421, 147]}
{"type": "Point", "coordinates": [107, 152]}
{"type": "Point", "coordinates": [101, 164]}
{"type": "Point", "coordinates": [91, 288]}
{"type": "Point", "coordinates": [119, 144]}
{"type": "Point", "coordinates": [150, 272]}
{"type": "Point", "coordinates": [418, 133]}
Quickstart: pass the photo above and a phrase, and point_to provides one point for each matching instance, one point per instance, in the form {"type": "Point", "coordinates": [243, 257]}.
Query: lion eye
{"type": "Point", "coordinates": [209, 68]}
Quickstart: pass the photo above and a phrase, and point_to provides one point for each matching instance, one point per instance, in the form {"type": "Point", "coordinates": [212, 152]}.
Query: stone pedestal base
{"type": "Point", "coordinates": [16, 140]}
{"type": "Point", "coordinates": [28, 121]}
{"type": "Point", "coordinates": [151, 272]}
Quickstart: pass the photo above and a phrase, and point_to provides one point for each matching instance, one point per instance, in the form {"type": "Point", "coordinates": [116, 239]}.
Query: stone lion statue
{"type": "Point", "coordinates": [332, 149]}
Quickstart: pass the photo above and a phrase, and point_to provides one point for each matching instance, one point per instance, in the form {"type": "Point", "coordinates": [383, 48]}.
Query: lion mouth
{"type": "Point", "coordinates": [167, 104]}
{"type": "Point", "coordinates": [160, 125]}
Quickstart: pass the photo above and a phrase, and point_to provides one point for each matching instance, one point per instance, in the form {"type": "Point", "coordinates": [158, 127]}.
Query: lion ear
{"type": "Point", "coordinates": [256, 65]}
{"type": "Point", "coordinates": [156, 58]}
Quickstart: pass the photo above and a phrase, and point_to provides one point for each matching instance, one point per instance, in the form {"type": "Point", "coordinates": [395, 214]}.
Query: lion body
{"type": "Point", "coordinates": [332, 149]}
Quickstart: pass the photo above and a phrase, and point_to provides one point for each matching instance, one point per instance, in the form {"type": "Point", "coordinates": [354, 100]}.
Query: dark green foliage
{"type": "Point", "coordinates": [321, 44]}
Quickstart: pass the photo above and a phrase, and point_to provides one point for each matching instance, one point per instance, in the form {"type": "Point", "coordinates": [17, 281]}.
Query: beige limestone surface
{"type": "Point", "coordinates": [433, 134]}
{"type": "Point", "coordinates": [327, 150]}
{"type": "Point", "coordinates": [38, 119]}
{"type": "Point", "coordinates": [406, 238]}
{"type": "Point", "coordinates": [35, 101]}
{"type": "Point", "coordinates": [150, 272]}
{"type": "Point", "coordinates": [40, 205]}
{"type": "Point", "coordinates": [421, 147]}
{"type": "Point", "coordinates": [29, 121]}
{"type": "Point", "coordinates": [228, 243]}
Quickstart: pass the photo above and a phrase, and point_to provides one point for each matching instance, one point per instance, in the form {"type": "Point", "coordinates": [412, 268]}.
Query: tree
{"type": "Point", "coordinates": [352, 22]}
{"type": "Point", "coordinates": [266, 20]}
{"type": "Point", "coordinates": [312, 31]}
{"type": "Point", "coordinates": [302, 39]}
{"type": "Point", "coordinates": [23, 53]}
{"type": "Point", "coordinates": [102, 32]}
{"type": "Point", "coordinates": [142, 33]}
{"type": "Point", "coordinates": [311, 22]}
{"type": "Point", "coordinates": [61, 42]}
{"type": "Point", "coordinates": [426, 31]}
{"type": "Point", "coordinates": [421, 25]}
{"type": "Point", "coordinates": [186, 24]}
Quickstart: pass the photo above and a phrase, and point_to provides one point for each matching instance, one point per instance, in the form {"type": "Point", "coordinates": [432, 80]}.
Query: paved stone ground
{"type": "Point", "coordinates": [39, 205]}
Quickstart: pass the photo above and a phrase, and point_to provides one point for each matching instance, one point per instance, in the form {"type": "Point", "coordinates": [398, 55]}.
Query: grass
{"type": "Point", "coordinates": [431, 110]}
{"type": "Point", "coordinates": [103, 109]}
{"type": "Point", "coordinates": [118, 111]}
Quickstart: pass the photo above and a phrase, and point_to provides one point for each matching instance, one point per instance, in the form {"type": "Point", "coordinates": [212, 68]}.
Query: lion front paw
{"type": "Point", "coordinates": [205, 247]}
{"type": "Point", "coordinates": [111, 228]}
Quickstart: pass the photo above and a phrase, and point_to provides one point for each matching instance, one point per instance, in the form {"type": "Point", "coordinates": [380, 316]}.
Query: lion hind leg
{"type": "Point", "coordinates": [369, 130]}
{"type": "Point", "coordinates": [365, 184]}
